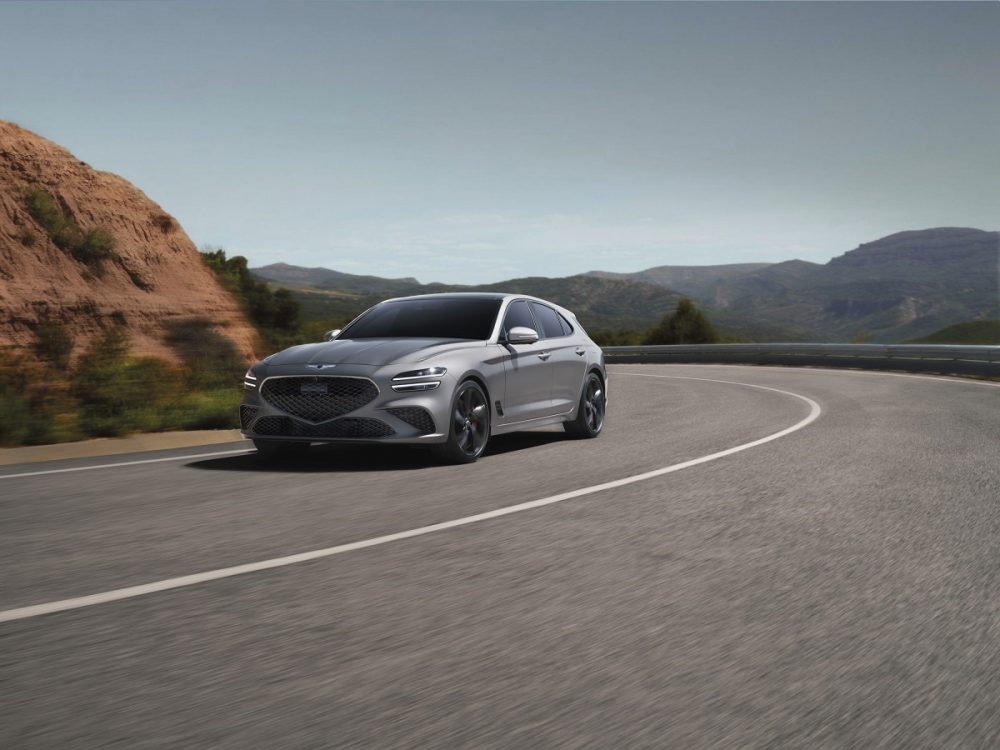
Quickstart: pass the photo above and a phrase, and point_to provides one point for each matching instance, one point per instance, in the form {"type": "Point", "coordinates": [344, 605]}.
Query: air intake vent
{"type": "Point", "coordinates": [247, 414]}
{"type": "Point", "coordinates": [348, 427]}
{"type": "Point", "coordinates": [416, 417]}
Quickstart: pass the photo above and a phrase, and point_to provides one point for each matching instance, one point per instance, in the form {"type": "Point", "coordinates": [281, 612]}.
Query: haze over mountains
{"type": "Point", "coordinates": [896, 288]}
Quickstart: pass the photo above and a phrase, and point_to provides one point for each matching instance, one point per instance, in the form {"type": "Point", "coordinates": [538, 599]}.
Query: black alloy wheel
{"type": "Point", "coordinates": [470, 425]}
{"type": "Point", "coordinates": [590, 413]}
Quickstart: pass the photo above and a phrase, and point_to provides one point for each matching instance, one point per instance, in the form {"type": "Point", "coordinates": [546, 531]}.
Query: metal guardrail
{"type": "Point", "coordinates": [967, 360]}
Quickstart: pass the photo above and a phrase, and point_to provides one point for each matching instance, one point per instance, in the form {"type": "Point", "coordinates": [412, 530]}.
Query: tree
{"type": "Point", "coordinates": [686, 325]}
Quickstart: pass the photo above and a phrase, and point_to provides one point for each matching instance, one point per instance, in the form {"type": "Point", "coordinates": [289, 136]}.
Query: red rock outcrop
{"type": "Point", "coordinates": [156, 280]}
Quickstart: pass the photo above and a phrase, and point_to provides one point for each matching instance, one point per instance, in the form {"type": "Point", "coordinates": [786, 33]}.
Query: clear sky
{"type": "Point", "coordinates": [477, 142]}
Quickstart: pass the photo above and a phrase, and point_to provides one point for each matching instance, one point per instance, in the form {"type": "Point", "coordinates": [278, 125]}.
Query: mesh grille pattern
{"type": "Point", "coordinates": [317, 399]}
{"type": "Point", "coordinates": [348, 427]}
{"type": "Point", "coordinates": [270, 425]}
{"type": "Point", "coordinates": [247, 413]}
{"type": "Point", "coordinates": [415, 416]}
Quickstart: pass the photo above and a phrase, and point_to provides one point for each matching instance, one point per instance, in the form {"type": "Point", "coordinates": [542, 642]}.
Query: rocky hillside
{"type": "Point", "coordinates": [88, 250]}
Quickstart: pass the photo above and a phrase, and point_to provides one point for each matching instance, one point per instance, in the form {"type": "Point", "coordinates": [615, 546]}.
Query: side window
{"type": "Point", "coordinates": [518, 314]}
{"type": "Point", "coordinates": [549, 320]}
{"type": "Point", "coordinates": [566, 326]}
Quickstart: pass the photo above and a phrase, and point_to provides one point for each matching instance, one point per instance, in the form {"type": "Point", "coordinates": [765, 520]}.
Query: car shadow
{"type": "Point", "coordinates": [358, 458]}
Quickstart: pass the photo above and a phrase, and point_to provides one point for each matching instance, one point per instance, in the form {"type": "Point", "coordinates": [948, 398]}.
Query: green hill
{"type": "Point", "coordinates": [974, 332]}
{"type": "Point", "coordinates": [901, 286]}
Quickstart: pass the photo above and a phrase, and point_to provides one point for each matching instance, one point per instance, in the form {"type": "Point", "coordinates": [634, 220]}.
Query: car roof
{"type": "Point", "coordinates": [458, 295]}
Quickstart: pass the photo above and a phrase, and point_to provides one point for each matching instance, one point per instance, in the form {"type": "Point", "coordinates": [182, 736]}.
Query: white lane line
{"type": "Point", "coordinates": [129, 592]}
{"type": "Point", "coordinates": [124, 463]}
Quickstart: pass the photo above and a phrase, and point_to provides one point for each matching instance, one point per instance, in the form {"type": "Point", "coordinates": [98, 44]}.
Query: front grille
{"type": "Point", "coordinates": [318, 398]}
{"type": "Point", "coordinates": [416, 417]}
{"type": "Point", "coordinates": [348, 427]}
{"type": "Point", "coordinates": [247, 413]}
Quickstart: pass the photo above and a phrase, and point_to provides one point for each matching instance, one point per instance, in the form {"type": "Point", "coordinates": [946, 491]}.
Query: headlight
{"type": "Point", "coordinates": [418, 380]}
{"type": "Point", "coordinates": [250, 380]}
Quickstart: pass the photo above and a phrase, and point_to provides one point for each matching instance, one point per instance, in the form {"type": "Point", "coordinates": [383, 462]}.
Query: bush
{"type": "Point", "coordinates": [87, 247]}
{"type": "Point", "coordinates": [35, 405]}
{"type": "Point", "coordinates": [97, 244]}
{"type": "Point", "coordinates": [53, 343]}
{"type": "Point", "coordinates": [43, 208]}
{"type": "Point", "coordinates": [619, 337]}
{"type": "Point", "coordinates": [15, 414]}
{"type": "Point", "coordinates": [687, 325]}
{"type": "Point", "coordinates": [272, 312]}
{"type": "Point", "coordinates": [118, 395]}
{"type": "Point", "coordinates": [214, 410]}
{"type": "Point", "coordinates": [210, 359]}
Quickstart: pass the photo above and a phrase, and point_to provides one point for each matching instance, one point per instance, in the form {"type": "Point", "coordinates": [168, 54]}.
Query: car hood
{"type": "Point", "coordinates": [376, 352]}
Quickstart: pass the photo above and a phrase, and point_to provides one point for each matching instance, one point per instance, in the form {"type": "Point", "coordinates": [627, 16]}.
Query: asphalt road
{"type": "Point", "coordinates": [838, 586]}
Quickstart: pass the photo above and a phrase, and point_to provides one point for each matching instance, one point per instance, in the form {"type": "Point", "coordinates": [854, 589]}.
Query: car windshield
{"type": "Point", "coordinates": [444, 318]}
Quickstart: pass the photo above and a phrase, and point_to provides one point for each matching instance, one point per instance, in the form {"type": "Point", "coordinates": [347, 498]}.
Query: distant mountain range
{"type": "Point", "coordinates": [903, 286]}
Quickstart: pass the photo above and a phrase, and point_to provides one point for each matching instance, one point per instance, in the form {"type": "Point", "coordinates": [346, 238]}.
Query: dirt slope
{"type": "Point", "coordinates": [156, 280]}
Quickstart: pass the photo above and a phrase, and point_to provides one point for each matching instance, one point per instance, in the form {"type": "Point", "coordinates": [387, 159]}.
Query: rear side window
{"type": "Point", "coordinates": [550, 321]}
{"type": "Point", "coordinates": [567, 328]}
{"type": "Point", "coordinates": [518, 314]}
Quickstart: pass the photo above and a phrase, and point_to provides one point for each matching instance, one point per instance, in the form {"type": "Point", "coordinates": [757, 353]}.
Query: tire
{"type": "Point", "coordinates": [470, 425]}
{"type": "Point", "coordinates": [272, 449]}
{"type": "Point", "coordinates": [590, 413]}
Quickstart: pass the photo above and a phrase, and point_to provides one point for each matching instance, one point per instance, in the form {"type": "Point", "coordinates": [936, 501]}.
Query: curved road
{"type": "Point", "coordinates": [792, 558]}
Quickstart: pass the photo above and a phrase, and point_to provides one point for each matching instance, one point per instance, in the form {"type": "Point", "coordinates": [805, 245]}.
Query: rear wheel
{"type": "Point", "coordinates": [470, 425]}
{"type": "Point", "coordinates": [590, 413]}
{"type": "Point", "coordinates": [279, 448]}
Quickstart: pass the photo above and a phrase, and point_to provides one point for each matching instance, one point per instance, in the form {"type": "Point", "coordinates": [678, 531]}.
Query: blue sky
{"type": "Point", "coordinates": [477, 142]}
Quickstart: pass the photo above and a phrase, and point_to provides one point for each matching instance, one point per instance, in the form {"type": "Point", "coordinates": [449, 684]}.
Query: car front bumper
{"type": "Point", "coordinates": [307, 408]}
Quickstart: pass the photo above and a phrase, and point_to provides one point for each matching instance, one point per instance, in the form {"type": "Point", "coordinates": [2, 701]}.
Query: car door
{"type": "Point", "coordinates": [528, 375]}
{"type": "Point", "coordinates": [567, 357]}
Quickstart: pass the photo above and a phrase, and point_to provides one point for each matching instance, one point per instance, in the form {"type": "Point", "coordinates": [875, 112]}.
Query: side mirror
{"type": "Point", "coordinates": [331, 335]}
{"type": "Point", "coordinates": [522, 335]}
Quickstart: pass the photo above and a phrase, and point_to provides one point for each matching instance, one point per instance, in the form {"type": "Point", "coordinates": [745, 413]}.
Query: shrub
{"type": "Point", "coordinates": [210, 359]}
{"type": "Point", "coordinates": [619, 337]}
{"type": "Point", "coordinates": [14, 417]}
{"type": "Point", "coordinates": [214, 410]}
{"type": "Point", "coordinates": [43, 208]}
{"type": "Point", "coordinates": [274, 313]}
{"type": "Point", "coordinates": [687, 325]}
{"type": "Point", "coordinates": [53, 343]}
{"type": "Point", "coordinates": [118, 395]}
{"type": "Point", "coordinates": [35, 406]}
{"type": "Point", "coordinates": [87, 247]}
{"type": "Point", "coordinates": [97, 244]}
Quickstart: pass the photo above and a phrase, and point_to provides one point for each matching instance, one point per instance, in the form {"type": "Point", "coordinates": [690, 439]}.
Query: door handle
{"type": "Point", "coordinates": [544, 355]}
{"type": "Point", "coordinates": [581, 351]}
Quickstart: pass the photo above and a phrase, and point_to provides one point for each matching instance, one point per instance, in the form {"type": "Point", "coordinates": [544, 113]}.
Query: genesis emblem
{"type": "Point", "coordinates": [320, 367]}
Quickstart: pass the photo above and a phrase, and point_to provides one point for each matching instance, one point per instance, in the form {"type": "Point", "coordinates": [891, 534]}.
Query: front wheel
{"type": "Point", "coordinates": [470, 425]}
{"type": "Point", "coordinates": [590, 413]}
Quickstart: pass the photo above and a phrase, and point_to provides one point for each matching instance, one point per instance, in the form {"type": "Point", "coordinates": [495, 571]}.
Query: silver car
{"type": "Point", "coordinates": [448, 370]}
